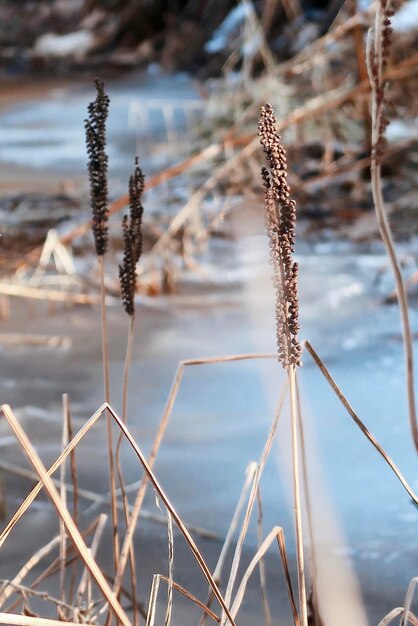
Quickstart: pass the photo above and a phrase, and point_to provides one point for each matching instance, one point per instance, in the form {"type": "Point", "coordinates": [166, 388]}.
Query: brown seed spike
{"type": "Point", "coordinates": [280, 218]}
{"type": "Point", "coordinates": [95, 126]}
{"type": "Point", "coordinates": [132, 239]}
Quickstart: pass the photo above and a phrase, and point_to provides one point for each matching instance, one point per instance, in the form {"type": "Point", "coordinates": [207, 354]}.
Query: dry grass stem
{"type": "Point", "coordinates": [105, 351]}
{"type": "Point", "coordinates": [32, 495]}
{"type": "Point", "coordinates": [7, 590]}
{"type": "Point", "coordinates": [273, 534]}
{"type": "Point", "coordinates": [217, 573]}
{"type": "Point", "coordinates": [378, 49]}
{"type": "Point", "coordinates": [394, 613]}
{"type": "Point", "coordinates": [78, 598]}
{"type": "Point", "coordinates": [296, 502]}
{"type": "Point", "coordinates": [71, 528]}
{"type": "Point", "coordinates": [283, 555]}
{"type": "Point", "coordinates": [50, 570]}
{"type": "Point", "coordinates": [309, 515]}
{"type": "Point", "coordinates": [170, 538]}
{"type": "Point", "coordinates": [63, 496]}
{"type": "Point", "coordinates": [192, 545]}
{"type": "Point", "coordinates": [261, 563]}
{"type": "Point", "coordinates": [157, 443]}
{"type": "Point", "coordinates": [358, 421]}
{"type": "Point", "coordinates": [128, 358]}
{"type": "Point", "coordinates": [252, 498]}
{"type": "Point", "coordinates": [25, 620]}
{"type": "Point", "coordinates": [408, 601]}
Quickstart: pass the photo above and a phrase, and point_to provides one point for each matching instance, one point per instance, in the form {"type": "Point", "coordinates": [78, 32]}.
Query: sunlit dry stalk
{"type": "Point", "coordinates": [360, 424]}
{"type": "Point", "coordinates": [75, 493]}
{"type": "Point", "coordinates": [378, 51]}
{"type": "Point", "coordinates": [261, 564]}
{"type": "Point", "coordinates": [313, 597]}
{"type": "Point", "coordinates": [217, 573]}
{"type": "Point", "coordinates": [280, 218]}
{"type": "Point", "coordinates": [252, 497]}
{"type": "Point", "coordinates": [64, 514]}
{"type": "Point", "coordinates": [95, 126]}
{"type": "Point", "coordinates": [132, 250]}
{"type": "Point", "coordinates": [63, 494]}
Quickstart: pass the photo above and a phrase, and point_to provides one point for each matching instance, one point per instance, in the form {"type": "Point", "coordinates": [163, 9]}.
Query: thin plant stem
{"type": "Point", "coordinates": [261, 564]}
{"type": "Point", "coordinates": [386, 234]}
{"type": "Point", "coordinates": [320, 364]}
{"type": "Point", "coordinates": [296, 497]}
{"type": "Point", "coordinates": [105, 351]}
{"type": "Point", "coordinates": [132, 566]}
{"type": "Point", "coordinates": [376, 76]}
{"type": "Point", "coordinates": [74, 482]}
{"type": "Point", "coordinates": [309, 514]}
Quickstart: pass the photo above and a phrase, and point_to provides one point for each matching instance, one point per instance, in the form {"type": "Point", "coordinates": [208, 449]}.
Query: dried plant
{"type": "Point", "coordinates": [281, 218]}
{"type": "Point", "coordinates": [378, 51]}
{"type": "Point", "coordinates": [95, 126]}
{"type": "Point", "coordinates": [132, 240]}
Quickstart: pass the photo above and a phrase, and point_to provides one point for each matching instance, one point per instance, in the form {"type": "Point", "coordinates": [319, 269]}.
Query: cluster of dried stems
{"type": "Point", "coordinates": [78, 602]}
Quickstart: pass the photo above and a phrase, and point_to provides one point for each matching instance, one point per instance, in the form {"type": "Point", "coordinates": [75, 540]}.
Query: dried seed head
{"type": "Point", "coordinates": [377, 62]}
{"type": "Point", "coordinates": [95, 126]}
{"type": "Point", "coordinates": [132, 240]}
{"type": "Point", "coordinates": [280, 219]}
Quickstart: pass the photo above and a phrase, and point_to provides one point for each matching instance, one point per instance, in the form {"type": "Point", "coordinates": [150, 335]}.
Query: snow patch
{"type": "Point", "coordinates": [76, 44]}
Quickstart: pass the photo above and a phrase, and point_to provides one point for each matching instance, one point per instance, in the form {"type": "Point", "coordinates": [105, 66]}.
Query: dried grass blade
{"type": "Point", "coordinates": [217, 574]}
{"type": "Point", "coordinates": [152, 602]}
{"type": "Point", "coordinates": [30, 564]}
{"type": "Point", "coordinates": [394, 613]}
{"type": "Point", "coordinates": [408, 600]}
{"type": "Point", "coordinates": [285, 563]}
{"type": "Point", "coordinates": [32, 495]}
{"type": "Point", "coordinates": [133, 520]}
{"type": "Point", "coordinates": [358, 421]}
{"type": "Point", "coordinates": [71, 528]}
{"type": "Point", "coordinates": [191, 597]}
{"type": "Point", "coordinates": [261, 564]}
{"type": "Point", "coordinates": [297, 505]}
{"type": "Point", "coordinates": [63, 495]}
{"type": "Point", "coordinates": [169, 609]}
{"type": "Point", "coordinates": [93, 551]}
{"type": "Point", "coordinates": [253, 494]}
{"type": "Point", "coordinates": [26, 620]}
{"type": "Point", "coordinates": [309, 514]}
{"type": "Point", "coordinates": [189, 539]}
{"type": "Point", "coordinates": [253, 564]}
{"type": "Point", "coordinates": [52, 568]}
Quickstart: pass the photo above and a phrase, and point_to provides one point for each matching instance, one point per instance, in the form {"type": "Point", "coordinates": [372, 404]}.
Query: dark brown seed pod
{"type": "Point", "coordinates": [95, 126]}
{"type": "Point", "coordinates": [132, 240]}
{"type": "Point", "coordinates": [280, 212]}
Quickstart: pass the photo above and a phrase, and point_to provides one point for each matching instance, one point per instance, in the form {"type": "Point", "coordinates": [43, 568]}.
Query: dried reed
{"type": "Point", "coordinates": [280, 218]}
{"type": "Point", "coordinates": [378, 51]}
{"type": "Point", "coordinates": [132, 249]}
{"type": "Point", "coordinates": [95, 126]}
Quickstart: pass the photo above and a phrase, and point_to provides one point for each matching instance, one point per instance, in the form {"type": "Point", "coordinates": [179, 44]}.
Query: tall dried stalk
{"type": "Point", "coordinates": [95, 126]}
{"type": "Point", "coordinates": [132, 239]}
{"type": "Point", "coordinates": [70, 526]}
{"type": "Point", "coordinates": [378, 49]}
{"type": "Point", "coordinates": [280, 218]}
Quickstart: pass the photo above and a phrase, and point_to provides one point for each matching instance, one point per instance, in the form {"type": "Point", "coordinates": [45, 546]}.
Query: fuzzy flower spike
{"type": "Point", "coordinates": [280, 219]}
{"type": "Point", "coordinates": [132, 239]}
{"type": "Point", "coordinates": [95, 126]}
